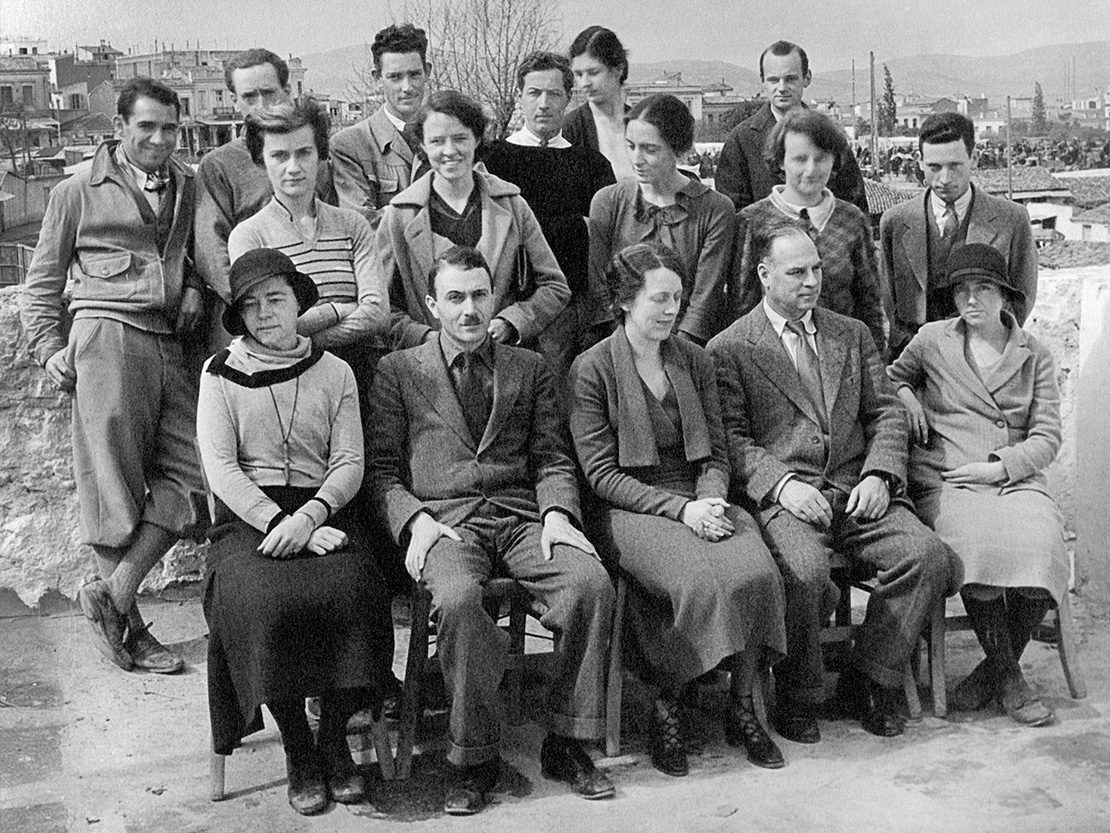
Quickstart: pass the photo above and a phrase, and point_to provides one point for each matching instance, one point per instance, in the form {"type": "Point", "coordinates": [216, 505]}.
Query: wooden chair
{"type": "Point", "coordinates": [497, 593]}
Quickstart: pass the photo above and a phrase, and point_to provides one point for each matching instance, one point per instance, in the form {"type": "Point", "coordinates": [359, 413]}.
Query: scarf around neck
{"type": "Point", "coordinates": [247, 362]}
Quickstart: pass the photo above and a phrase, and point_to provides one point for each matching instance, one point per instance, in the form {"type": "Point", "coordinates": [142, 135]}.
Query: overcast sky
{"type": "Point", "coordinates": [654, 30]}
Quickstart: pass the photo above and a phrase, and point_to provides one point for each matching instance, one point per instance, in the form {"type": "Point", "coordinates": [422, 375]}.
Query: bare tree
{"type": "Point", "coordinates": [475, 46]}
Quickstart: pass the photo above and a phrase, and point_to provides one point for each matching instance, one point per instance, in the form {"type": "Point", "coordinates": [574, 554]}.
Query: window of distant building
{"type": "Point", "coordinates": [6, 96]}
{"type": "Point", "coordinates": [75, 102]}
{"type": "Point", "coordinates": [29, 95]}
{"type": "Point", "coordinates": [185, 107]}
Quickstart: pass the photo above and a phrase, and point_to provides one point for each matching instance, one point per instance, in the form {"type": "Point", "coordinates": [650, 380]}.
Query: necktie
{"type": "Point", "coordinates": [951, 221]}
{"type": "Point", "coordinates": [811, 229]}
{"type": "Point", "coordinates": [156, 182]}
{"type": "Point", "coordinates": [544, 141]}
{"type": "Point", "coordinates": [419, 163]}
{"type": "Point", "coordinates": [809, 370]}
{"type": "Point", "coordinates": [473, 395]}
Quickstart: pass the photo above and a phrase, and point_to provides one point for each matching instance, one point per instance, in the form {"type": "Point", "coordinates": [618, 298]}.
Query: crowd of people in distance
{"type": "Point", "coordinates": [406, 353]}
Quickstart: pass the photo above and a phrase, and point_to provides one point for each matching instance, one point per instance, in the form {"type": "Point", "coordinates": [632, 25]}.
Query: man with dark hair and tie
{"type": "Point", "coordinates": [818, 443]}
{"type": "Point", "coordinates": [743, 174]}
{"type": "Point", "coordinates": [918, 235]}
{"type": "Point", "coordinates": [470, 464]}
{"type": "Point", "coordinates": [378, 158]}
{"type": "Point", "coordinates": [121, 232]}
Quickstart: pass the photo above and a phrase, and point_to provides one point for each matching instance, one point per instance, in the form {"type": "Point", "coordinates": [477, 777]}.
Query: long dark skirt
{"type": "Point", "coordinates": [290, 628]}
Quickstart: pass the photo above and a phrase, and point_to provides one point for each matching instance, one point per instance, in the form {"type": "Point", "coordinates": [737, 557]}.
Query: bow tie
{"type": "Point", "coordinates": [156, 182]}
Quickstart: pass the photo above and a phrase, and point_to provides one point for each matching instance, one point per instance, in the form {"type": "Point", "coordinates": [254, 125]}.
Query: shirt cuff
{"type": "Point", "coordinates": [777, 490]}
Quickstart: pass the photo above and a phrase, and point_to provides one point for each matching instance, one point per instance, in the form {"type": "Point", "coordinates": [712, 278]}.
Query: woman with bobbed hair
{"type": "Point", "coordinates": [984, 411]}
{"type": "Point", "coordinates": [805, 147]}
{"type": "Point", "coordinates": [455, 205]}
{"type": "Point", "coordinates": [599, 62]}
{"type": "Point", "coordinates": [663, 205]}
{"type": "Point", "coordinates": [334, 246]}
{"type": "Point", "coordinates": [704, 590]}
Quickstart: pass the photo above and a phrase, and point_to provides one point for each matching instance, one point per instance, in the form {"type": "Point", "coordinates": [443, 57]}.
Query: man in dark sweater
{"type": "Point", "coordinates": [558, 180]}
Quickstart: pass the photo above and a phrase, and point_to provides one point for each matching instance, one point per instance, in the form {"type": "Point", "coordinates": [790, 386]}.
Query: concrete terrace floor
{"type": "Point", "coordinates": [85, 747]}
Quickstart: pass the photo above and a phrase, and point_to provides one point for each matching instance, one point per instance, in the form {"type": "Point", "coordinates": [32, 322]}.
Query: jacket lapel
{"type": "Point", "coordinates": [915, 240]}
{"type": "Point", "coordinates": [435, 385]}
{"type": "Point", "coordinates": [952, 353]}
{"type": "Point", "coordinates": [421, 246]}
{"type": "Point", "coordinates": [497, 221]}
{"type": "Point", "coordinates": [506, 390]}
{"type": "Point", "coordinates": [636, 446]}
{"type": "Point", "coordinates": [695, 432]}
{"type": "Point", "coordinates": [1014, 357]}
{"type": "Point", "coordinates": [982, 225]}
{"type": "Point", "coordinates": [771, 357]}
{"type": "Point", "coordinates": [832, 353]}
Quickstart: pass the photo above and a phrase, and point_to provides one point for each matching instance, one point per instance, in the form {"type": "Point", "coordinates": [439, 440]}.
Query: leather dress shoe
{"type": "Point", "coordinates": [469, 793]}
{"type": "Point", "coordinates": [976, 690]}
{"type": "Point", "coordinates": [148, 654]}
{"type": "Point", "coordinates": [307, 793]}
{"type": "Point", "coordinates": [742, 728]}
{"type": "Point", "coordinates": [796, 722]}
{"type": "Point", "coordinates": [106, 622]}
{"type": "Point", "coordinates": [1021, 704]}
{"type": "Point", "coordinates": [876, 707]}
{"type": "Point", "coordinates": [344, 783]}
{"type": "Point", "coordinates": [564, 759]}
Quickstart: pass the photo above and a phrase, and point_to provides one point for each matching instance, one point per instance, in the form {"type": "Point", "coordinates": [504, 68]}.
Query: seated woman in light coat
{"type": "Point", "coordinates": [294, 601]}
{"type": "Point", "coordinates": [704, 590]}
{"type": "Point", "coordinates": [985, 418]}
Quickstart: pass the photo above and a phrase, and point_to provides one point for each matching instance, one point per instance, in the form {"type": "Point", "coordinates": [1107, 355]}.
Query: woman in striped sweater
{"type": "Point", "coordinates": [334, 246]}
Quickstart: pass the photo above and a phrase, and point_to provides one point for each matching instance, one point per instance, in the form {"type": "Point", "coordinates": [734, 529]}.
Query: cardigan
{"type": "Point", "coordinates": [1012, 414]}
{"type": "Point", "coordinates": [241, 438]}
{"type": "Point", "coordinates": [612, 431]}
{"type": "Point", "coordinates": [511, 236]}
{"type": "Point", "coordinates": [340, 261]}
{"type": "Point", "coordinates": [699, 227]}
{"type": "Point", "coordinates": [849, 270]}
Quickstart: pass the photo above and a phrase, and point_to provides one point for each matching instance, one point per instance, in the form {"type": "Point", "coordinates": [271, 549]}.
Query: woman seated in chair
{"type": "Point", "coordinates": [984, 413]}
{"type": "Point", "coordinates": [293, 599]}
{"type": "Point", "coordinates": [704, 590]}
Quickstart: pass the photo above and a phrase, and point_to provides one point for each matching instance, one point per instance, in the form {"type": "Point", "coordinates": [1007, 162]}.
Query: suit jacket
{"type": "Point", "coordinates": [422, 457]}
{"type": "Point", "coordinates": [771, 427]}
{"type": "Point", "coordinates": [1011, 414]}
{"type": "Point", "coordinates": [744, 177]}
{"type": "Point", "coordinates": [372, 163]}
{"type": "Point", "coordinates": [510, 236]}
{"type": "Point", "coordinates": [905, 256]}
{"type": "Point", "coordinates": [612, 430]}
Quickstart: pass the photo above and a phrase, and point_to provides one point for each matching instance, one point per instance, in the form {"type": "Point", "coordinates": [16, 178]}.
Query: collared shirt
{"type": "Point", "coordinates": [527, 138]}
{"type": "Point", "coordinates": [818, 214]}
{"type": "Point", "coordinates": [789, 337]}
{"type": "Point", "coordinates": [396, 122]}
{"type": "Point", "coordinates": [939, 206]}
{"type": "Point", "coordinates": [484, 354]}
{"type": "Point", "coordinates": [139, 176]}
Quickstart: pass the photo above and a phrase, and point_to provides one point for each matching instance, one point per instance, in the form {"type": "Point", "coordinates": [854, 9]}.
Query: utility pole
{"type": "Point", "coordinates": [1009, 153]}
{"type": "Point", "coordinates": [874, 123]}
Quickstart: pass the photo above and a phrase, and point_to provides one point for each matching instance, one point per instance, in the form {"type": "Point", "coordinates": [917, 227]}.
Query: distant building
{"type": "Point", "coordinates": [75, 74]}
{"type": "Point", "coordinates": [25, 117]}
{"type": "Point", "coordinates": [708, 103]}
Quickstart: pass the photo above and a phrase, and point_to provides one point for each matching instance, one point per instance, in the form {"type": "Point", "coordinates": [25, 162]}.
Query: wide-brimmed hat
{"type": "Point", "coordinates": [977, 260]}
{"type": "Point", "coordinates": [255, 266]}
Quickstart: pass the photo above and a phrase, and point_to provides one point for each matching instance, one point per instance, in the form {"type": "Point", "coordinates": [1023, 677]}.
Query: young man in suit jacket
{"type": "Point", "coordinates": [818, 445]}
{"type": "Point", "coordinates": [919, 234]}
{"type": "Point", "coordinates": [743, 174]}
{"type": "Point", "coordinates": [470, 464]}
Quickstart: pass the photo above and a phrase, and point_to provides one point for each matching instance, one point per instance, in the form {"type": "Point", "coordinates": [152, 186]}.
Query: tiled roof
{"type": "Point", "coordinates": [1088, 190]}
{"type": "Point", "coordinates": [20, 63]}
{"type": "Point", "coordinates": [880, 197]}
{"type": "Point", "coordinates": [1100, 214]}
{"type": "Point", "coordinates": [996, 181]}
{"type": "Point", "coordinates": [1072, 254]}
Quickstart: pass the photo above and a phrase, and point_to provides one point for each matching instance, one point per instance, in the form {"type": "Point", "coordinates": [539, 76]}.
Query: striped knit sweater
{"type": "Point", "coordinates": [340, 261]}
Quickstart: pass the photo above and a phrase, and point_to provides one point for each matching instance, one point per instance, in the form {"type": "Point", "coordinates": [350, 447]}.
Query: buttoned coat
{"type": "Point", "coordinates": [421, 455]}
{"type": "Point", "coordinates": [771, 427]}
{"type": "Point", "coordinates": [511, 240]}
{"type": "Point", "coordinates": [744, 176]}
{"type": "Point", "coordinates": [905, 256]}
{"type": "Point", "coordinates": [1011, 414]}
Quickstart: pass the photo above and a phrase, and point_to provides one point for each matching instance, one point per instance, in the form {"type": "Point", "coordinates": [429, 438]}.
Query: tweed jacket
{"type": "Point", "coordinates": [612, 431]}
{"type": "Point", "coordinates": [744, 176]}
{"type": "Point", "coordinates": [700, 227]}
{"type": "Point", "coordinates": [771, 428]}
{"type": "Point", "coordinates": [905, 255]}
{"type": "Point", "coordinates": [371, 163]}
{"type": "Point", "coordinates": [95, 234]}
{"type": "Point", "coordinates": [421, 455]}
{"type": "Point", "coordinates": [510, 235]}
{"type": "Point", "coordinates": [1011, 414]}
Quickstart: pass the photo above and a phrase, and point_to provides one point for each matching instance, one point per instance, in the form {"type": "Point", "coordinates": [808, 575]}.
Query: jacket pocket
{"type": "Point", "coordinates": [105, 266]}
{"type": "Point", "coordinates": [109, 276]}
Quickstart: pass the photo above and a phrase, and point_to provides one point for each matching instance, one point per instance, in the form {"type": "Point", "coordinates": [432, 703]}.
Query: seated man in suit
{"type": "Point", "coordinates": [470, 464]}
{"type": "Point", "coordinates": [818, 445]}
{"type": "Point", "coordinates": [918, 235]}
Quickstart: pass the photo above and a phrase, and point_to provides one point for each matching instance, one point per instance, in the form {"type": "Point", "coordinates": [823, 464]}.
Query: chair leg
{"type": "Point", "coordinates": [514, 674]}
{"type": "Point", "coordinates": [936, 660]}
{"type": "Point", "coordinates": [216, 776]}
{"type": "Point", "coordinates": [414, 673]}
{"type": "Point", "coordinates": [1069, 650]}
{"type": "Point", "coordinates": [382, 748]}
{"type": "Point", "coordinates": [909, 684]}
{"type": "Point", "coordinates": [615, 677]}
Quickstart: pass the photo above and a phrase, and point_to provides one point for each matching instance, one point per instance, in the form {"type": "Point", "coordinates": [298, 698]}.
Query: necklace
{"type": "Point", "coordinates": [286, 432]}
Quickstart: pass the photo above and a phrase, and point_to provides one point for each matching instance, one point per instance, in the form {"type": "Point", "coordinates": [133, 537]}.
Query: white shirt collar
{"type": "Point", "coordinates": [396, 122]}
{"type": "Point", "coordinates": [779, 322]}
{"type": "Point", "coordinates": [939, 207]}
{"type": "Point", "coordinates": [818, 214]}
{"type": "Point", "coordinates": [527, 138]}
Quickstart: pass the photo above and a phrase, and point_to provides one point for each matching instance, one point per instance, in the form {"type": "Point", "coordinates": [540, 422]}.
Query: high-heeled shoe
{"type": "Point", "coordinates": [742, 728]}
{"type": "Point", "coordinates": [668, 754]}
